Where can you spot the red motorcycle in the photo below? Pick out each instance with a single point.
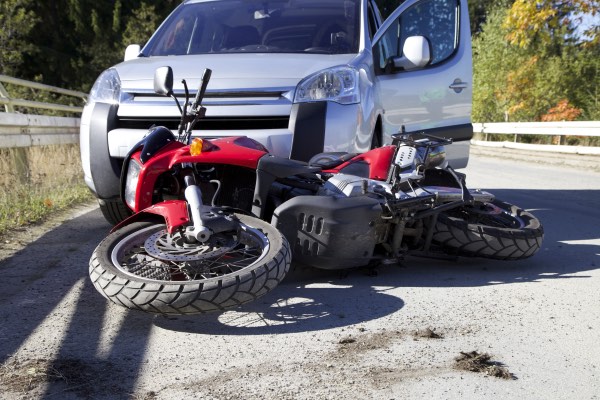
(217, 222)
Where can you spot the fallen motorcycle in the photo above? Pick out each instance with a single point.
(217, 222)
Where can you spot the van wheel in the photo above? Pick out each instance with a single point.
(113, 210)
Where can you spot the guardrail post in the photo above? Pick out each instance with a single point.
(21, 163)
(4, 94)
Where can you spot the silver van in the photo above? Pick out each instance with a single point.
(299, 76)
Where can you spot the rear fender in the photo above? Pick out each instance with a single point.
(174, 212)
(374, 164)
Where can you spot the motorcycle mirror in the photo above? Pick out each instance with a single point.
(163, 81)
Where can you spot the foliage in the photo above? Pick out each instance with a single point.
(72, 41)
(528, 59)
(543, 22)
(16, 20)
(563, 111)
(527, 55)
(139, 30)
(479, 10)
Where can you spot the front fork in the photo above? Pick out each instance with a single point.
(193, 195)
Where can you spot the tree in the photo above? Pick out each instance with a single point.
(562, 112)
(479, 10)
(139, 28)
(72, 41)
(17, 20)
(546, 22)
(528, 59)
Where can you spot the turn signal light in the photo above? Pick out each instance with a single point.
(196, 147)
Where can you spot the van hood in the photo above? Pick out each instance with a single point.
(229, 71)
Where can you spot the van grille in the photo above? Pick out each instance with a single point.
(218, 124)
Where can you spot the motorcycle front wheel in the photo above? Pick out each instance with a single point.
(141, 266)
(496, 230)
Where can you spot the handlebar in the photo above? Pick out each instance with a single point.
(409, 139)
(203, 84)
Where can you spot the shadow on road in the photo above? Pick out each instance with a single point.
(55, 324)
(46, 285)
(570, 220)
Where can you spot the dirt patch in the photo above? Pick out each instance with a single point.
(427, 333)
(27, 376)
(482, 363)
(362, 343)
(31, 377)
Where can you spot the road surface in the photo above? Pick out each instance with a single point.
(320, 334)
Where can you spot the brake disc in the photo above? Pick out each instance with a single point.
(165, 246)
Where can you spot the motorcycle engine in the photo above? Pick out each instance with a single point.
(344, 185)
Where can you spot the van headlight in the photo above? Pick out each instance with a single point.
(131, 182)
(107, 88)
(338, 84)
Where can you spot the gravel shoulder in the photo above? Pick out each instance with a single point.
(323, 335)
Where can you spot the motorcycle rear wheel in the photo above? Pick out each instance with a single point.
(141, 266)
(496, 230)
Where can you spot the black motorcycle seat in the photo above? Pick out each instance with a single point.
(330, 160)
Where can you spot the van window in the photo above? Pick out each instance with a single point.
(259, 26)
(372, 21)
(437, 20)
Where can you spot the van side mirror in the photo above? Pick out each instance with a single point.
(132, 51)
(163, 81)
(416, 53)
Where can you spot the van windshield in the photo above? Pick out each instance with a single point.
(259, 26)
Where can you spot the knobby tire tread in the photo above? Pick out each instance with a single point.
(171, 297)
(459, 237)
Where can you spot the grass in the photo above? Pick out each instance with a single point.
(38, 181)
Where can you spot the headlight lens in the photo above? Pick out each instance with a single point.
(107, 88)
(131, 182)
(338, 84)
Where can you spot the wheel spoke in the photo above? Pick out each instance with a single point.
(171, 257)
(489, 215)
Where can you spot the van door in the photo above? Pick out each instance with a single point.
(431, 95)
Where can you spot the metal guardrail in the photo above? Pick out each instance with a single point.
(10, 103)
(22, 130)
(25, 130)
(565, 128)
(560, 129)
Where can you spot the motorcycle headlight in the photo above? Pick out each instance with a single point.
(107, 88)
(131, 182)
(338, 84)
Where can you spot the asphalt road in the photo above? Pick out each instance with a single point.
(324, 335)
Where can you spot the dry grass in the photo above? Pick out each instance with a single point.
(37, 181)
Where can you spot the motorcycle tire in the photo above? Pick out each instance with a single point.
(495, 230)
(143, 267)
